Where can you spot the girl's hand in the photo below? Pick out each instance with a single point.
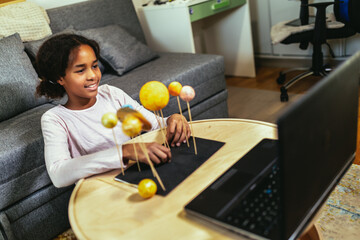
(176, 133)
(157, 153)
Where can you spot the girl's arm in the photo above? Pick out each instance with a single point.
(65, 170)
(62, 168)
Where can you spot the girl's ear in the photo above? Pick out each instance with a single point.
(61, 81)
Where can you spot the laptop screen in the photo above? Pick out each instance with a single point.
(313, 160)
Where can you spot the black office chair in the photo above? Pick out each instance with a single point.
(346, 11)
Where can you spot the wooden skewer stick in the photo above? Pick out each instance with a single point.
(136, 156)
(163, 122)
(162, 118)
(118, 150)
(143, 148)
(161, 130)
(192, 130)
(142, 145)
(182, 118)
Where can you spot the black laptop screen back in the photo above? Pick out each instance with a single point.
(313, 159)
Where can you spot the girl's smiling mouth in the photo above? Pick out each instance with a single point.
(92, 86)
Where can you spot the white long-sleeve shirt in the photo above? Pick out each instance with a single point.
(77, 145)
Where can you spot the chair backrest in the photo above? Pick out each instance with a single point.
(347, 11)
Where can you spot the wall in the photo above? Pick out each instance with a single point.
(47, 4)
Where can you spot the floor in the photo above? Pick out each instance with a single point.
(266, 80)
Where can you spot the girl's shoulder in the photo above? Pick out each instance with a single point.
(54, 110)
(110, 92)
(53, 114)
(108, 89)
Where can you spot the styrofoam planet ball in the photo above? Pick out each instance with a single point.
(109, 120)
(175, 88)
(131, 126)
(154, 95)
(124, 112)
(187, 93)
(147, 188)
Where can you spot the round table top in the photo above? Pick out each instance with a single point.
(102, 208)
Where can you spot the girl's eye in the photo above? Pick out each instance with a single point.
(80, 71)
(95, 66)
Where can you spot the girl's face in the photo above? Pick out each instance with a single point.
(82, 78)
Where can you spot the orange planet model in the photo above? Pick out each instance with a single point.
(132, 126)
(147, 188)
(109, 120)
(154, 95)
(175, 88)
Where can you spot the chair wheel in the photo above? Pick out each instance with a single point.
(284, 97)
(281, 78)
(327, 68)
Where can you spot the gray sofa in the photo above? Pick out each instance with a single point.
(30, 206)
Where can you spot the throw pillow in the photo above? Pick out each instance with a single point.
(18, 79)
(118, 48)
(33, 47)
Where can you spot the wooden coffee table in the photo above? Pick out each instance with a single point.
(102, 208)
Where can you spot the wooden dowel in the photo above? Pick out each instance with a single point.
(156, 175)
(136, 156)
(164, 130)
(143, 148)
(161, 129)
(118, 150)
(163, 121)
(183, 121)
(192, 130)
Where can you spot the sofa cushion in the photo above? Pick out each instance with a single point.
(33, 47)
(22, 161)
(204, 72)
(42, 215)
(94, 14)
(121, 51)
(18, 79)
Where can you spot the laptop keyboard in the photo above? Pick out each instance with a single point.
(258, 211)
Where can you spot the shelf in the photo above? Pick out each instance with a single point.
(209, 8)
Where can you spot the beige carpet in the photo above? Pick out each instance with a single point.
(340, 217)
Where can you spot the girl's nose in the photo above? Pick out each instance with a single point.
(91, 74)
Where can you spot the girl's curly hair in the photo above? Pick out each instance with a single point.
(52, 60)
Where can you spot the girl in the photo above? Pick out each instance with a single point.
(77, 145)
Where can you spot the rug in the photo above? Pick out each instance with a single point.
(340, 217)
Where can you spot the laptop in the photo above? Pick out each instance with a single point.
(282, 184)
